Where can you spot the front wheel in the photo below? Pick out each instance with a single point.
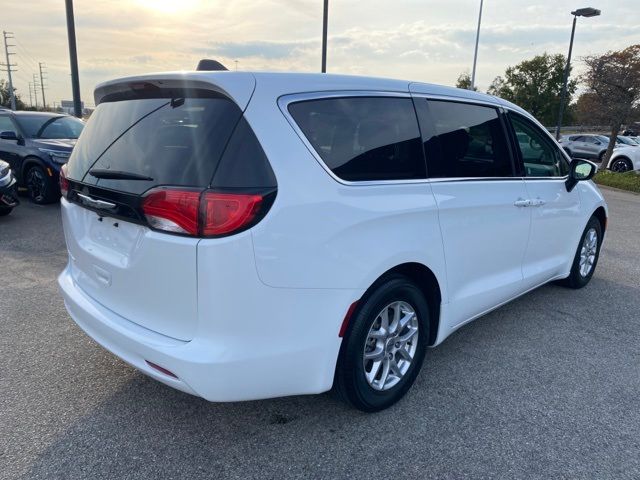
(42, 189)
(384, 347)
(586, 258)
(621, 165)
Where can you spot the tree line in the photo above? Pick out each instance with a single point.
(610, 93)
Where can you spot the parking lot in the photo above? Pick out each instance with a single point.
(547, 386)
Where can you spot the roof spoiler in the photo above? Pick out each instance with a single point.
(207, 65)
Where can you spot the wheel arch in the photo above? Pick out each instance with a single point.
(427, 282)
(601, 215)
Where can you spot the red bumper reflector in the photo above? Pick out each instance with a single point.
(161, 369)
(347, 317)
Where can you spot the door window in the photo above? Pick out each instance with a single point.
(364, 138)
(6, 125)
(471, 141)
(541, 156)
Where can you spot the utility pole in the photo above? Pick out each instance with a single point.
(35, 89)
(30, 97)
(475, 54)
(73, 59)
(8, 65)
(44, 103)
(325, 21)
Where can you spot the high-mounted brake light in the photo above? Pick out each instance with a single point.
(64, 182)
(196, 213)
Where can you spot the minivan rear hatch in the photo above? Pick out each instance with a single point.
(143, 136)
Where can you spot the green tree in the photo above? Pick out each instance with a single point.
(464, 81)
(535, 85)
(613, 80)
(588, 110)
(496, 87)
(5, 96)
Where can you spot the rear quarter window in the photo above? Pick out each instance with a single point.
(364, 138)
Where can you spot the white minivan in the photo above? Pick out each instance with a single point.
(242, 235)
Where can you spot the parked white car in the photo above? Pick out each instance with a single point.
(624, 159)
(243, 235)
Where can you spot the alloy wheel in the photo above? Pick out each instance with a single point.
(37, 184)
(588, 252)
(391, 345)
(620, 166)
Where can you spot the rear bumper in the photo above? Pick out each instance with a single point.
(225, 366)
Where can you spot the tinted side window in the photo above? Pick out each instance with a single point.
(472, 141)
(589, 140)
(364, 138)
(6, 125)
(540, 154)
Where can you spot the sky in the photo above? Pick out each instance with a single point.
(420, 40)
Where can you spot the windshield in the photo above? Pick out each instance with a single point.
(626, 141)
(46, 127)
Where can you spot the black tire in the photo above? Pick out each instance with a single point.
(350, 380)
(621, 165)
(5, 211)
(41, 187)
(576, 279)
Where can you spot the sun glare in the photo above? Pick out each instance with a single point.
(169, 6)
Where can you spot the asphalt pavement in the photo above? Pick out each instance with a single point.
(547, 386)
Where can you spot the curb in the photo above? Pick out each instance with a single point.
(607, 187)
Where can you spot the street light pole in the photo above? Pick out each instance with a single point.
(325, 20)
(581, 12)
(475, 54)
(563, 93)
(73, 59)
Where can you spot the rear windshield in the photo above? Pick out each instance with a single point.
(161, 141)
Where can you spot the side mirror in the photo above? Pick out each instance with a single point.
(8, 135)
(580, 171)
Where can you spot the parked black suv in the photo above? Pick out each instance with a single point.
(36, 145)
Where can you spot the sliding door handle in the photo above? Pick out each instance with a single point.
(522, 203)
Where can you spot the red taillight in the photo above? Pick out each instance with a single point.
(64, 183)
(172, 210)
(197, 213)
(224, 213)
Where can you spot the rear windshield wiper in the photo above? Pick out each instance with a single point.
(117, 175)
